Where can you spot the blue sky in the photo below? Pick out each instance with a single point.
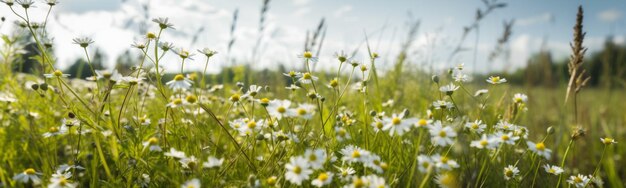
(113, 25)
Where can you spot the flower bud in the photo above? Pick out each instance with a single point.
(435, 79)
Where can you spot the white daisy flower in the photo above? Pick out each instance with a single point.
(443, 162)
(308, 55)
(346, 173)
(540, 149)
(397, 124)
(608, 141)
(448, 89)
(507, 138)
(440, 104)
(496, 80)
(179, 83)
(175, 154)
(213, 162)
(354, 154)
(520, 98)
(54, 131)
(152, 144)
(278, 108)
(189, 162)
(376, 181)
(510, 172)
(377, 125)
(306, 78)
(56, 74)
(477, 126)
(316, 158)
(341, 134)
(423, 123)
(579, 180)
(556, 170)
(440, 135)
(297, 170)
(484, 143)
(61, 182)
(304, 111)
(424, 163)
(193, 183)
(322, 179)
(27, 176)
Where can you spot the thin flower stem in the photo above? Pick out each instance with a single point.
(563, 161)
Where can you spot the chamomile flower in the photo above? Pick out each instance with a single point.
(292, 87)
(189, 162)
(163, 23)
(175, 103)
(56, 74)
(175, 153)
(443, 162)
(108, 75)
(324, 178)
(54, 131)
(608, 141)
(250, 127)
(440, 135)
(304, 111)
(307, 55)
(29, 175)
(447, 180)
(506, 126)
(353, 154)
(448, 89)
(424, 163)
(253, 91)
(423, 123)
(477, 126)
(83, 42)
(278, 108)
(377, 125)
(579, 180)
(61, 182)
(520, 98)
(346, 172)
(506, 138)
(484, 143)
(342, 134)
(179, 83)
(376, 181)
(213, 162)
(193, 183)
(510, 172)
(316, 158)
(556, 170)
(540, 149)
(397, 124)
(152, 144)
(207, 52)
(306, 78)
(496, 80)
(143, 120)
(440, 104)
(297, 170)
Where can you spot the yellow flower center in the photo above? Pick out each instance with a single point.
(177, 101)
(322, 177)
(150, 35)
(58, 73)
(54, 129)
(307, 76)
(312, 157)
(281, 109)
(483, 143)
(271, 180)
(358, 183)
(495, 79)
(265, 100)
(307, 55)
(540, 146)
(607, 140)
(505, 137)
(475, 126)
(153, 140)
(292, 74)
(29, 171)
(142, 119)
(396, 121)
(234, 98)
(578, 179)
(444, 159)
(422, 122)
(297, 170)
(301, 111)
(356, 154)
(342, 132)
(508, 173)
(191, 98)
(63, 181)
(379, 125)
(251, 124)
(442, 133)
(551, 170)
(179, 77)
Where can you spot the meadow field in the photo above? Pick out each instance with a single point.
(353, 126)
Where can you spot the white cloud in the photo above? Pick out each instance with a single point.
(342, 11)
(301, 2)
(610, 15)
(537, 19)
